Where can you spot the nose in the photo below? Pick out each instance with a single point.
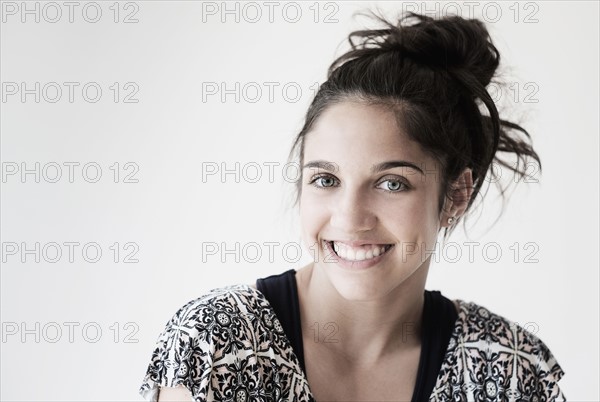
(351, 212)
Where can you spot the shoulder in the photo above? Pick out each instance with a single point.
(211, 340)
(496, 357)
(221, 306)
(226, 319)
(482, 326)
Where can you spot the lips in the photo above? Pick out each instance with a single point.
(361, 252)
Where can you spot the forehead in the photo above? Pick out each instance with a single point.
(362, 134)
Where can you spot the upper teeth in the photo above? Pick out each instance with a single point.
(358, 253)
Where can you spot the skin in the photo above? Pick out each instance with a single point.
(375, 311)
(373, 314)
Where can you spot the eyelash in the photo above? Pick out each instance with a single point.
(388, 178)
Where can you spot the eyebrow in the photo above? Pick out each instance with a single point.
(380, 167)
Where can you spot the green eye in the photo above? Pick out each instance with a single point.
(326, 181)
(390, 185)
(323, 181)
(394, 185)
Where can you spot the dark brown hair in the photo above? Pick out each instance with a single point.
(433, 73)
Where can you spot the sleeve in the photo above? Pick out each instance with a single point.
(181, 355)
(226, 345)
(498, 360)
(537, 370)
(549, 374)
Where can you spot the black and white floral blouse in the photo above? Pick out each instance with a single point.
(228, 345)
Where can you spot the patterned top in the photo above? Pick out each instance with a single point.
(228, 345)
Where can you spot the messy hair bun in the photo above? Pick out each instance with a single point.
(433, 73)
(452, 43)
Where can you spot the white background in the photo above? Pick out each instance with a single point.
(171, 55)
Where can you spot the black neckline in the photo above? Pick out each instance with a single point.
(281, 291)
(439, 313)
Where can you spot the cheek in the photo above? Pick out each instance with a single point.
(313, 216)
(410, 222)
(414, 221)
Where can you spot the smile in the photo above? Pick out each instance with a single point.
(360, 253)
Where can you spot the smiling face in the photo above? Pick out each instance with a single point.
(373, 192)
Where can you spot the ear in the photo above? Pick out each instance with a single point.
(460, 194)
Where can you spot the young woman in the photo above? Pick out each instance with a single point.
(395, 149)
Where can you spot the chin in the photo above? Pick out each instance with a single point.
(361, 286)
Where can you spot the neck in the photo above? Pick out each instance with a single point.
(361, 331)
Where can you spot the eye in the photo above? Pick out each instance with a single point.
(390, 184)
(394, 185)
(323, 181)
